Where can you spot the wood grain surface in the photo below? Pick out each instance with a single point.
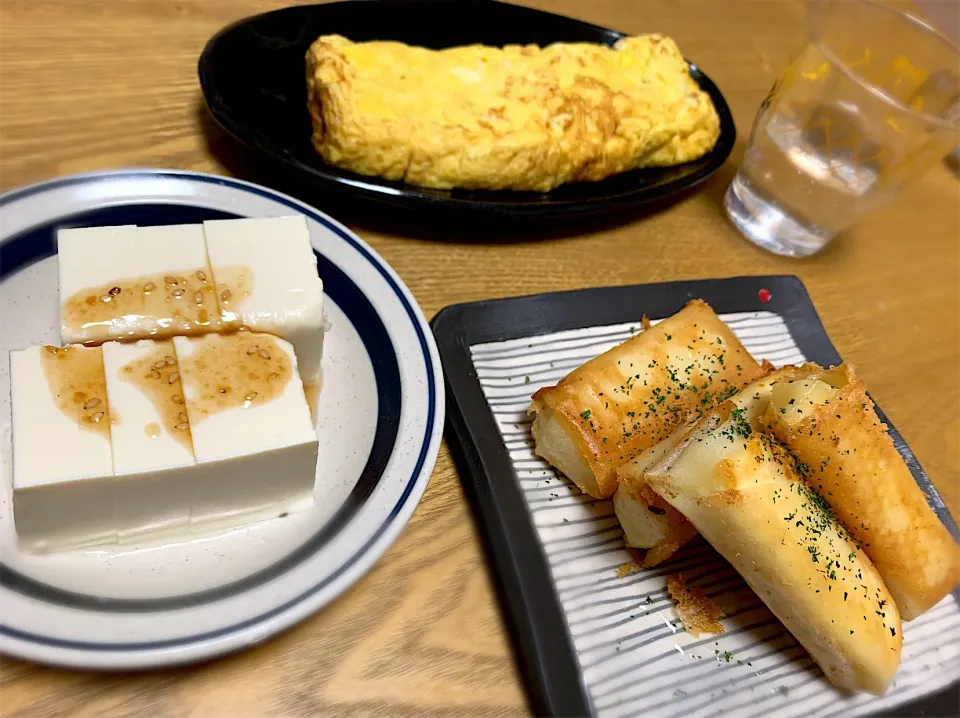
(90, 85)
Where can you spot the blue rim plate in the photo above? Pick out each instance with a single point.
(380, 422)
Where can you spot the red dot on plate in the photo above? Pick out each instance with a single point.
(764, 295)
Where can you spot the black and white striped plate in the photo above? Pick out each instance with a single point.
(593, 643)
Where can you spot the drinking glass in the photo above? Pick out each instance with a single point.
(869, 104)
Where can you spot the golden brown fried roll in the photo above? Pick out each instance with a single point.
(649, 523)
(827, 420)
(633, 396)
(739, 488)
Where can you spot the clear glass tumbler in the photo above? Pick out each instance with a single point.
(869, 104)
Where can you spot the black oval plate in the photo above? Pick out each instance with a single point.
(253, 79)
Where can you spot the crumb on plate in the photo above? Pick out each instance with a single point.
(696, 610)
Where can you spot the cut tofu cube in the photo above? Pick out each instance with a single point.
(253, 436)
(266, 274)
(179, 296)
(152, 450)
(93, 261)
(128, 283)
(62, 464)
(134, 283)
(133, 442)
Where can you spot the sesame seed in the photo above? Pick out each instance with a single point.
(263, 354)
(176, 399)
(170, 361)
(154, 373)
(173, 377)
(182, 416)
(225, 295)
(251, 396)
(149, 287)
(183, 426)
(114, 291)
(179, 292)
(201, 275)
(105, 298)
(97, 417)
(272, 376)
(253, 350)
(92, 403)
(160, 364)
(198, 297)
(170, 280)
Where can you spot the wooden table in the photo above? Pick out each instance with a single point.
(88, 85)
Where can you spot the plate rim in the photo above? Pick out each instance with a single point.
(359, 562)
(414, 198)
(519, 565)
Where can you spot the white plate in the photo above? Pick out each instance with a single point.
(380, 421)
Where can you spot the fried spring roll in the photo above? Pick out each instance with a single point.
(649, 523)
(636, 394)
(827, 420)
(739, 488)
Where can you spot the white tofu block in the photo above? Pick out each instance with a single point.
(94, 256)
(171, 249)
(104, 439)
(135, 283)
(92, 261)
(188, 304)
(283, 293)
(152, 452)
(253, 437)
(62, 464)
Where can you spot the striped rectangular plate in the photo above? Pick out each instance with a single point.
(590, 641)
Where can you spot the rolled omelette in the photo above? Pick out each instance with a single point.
(827, 421)
(629, 398)
(740, 489)
(510, 118)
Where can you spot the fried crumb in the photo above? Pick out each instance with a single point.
(660, 553)
(637, 564)
(645, 323)
(697, 612)
(644, 559)
(629, 567)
